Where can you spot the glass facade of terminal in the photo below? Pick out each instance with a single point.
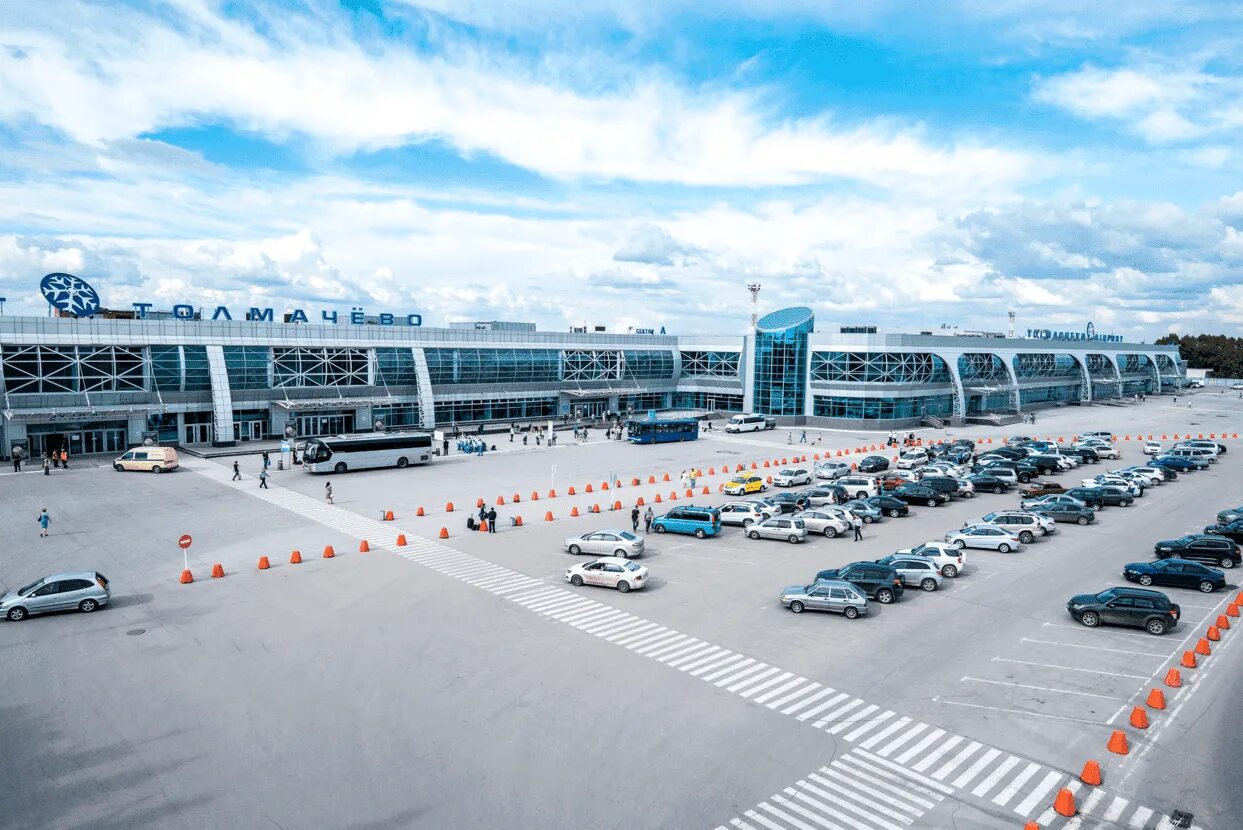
(883, 409)
(781, 361)
(878, 367)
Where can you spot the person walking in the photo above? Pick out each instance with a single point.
(263, 479)
(648, 518)
(237, 473)
(803, 438)
(492, 520)
(634, 518)
(44, 520)
(47, 466)
(55, 454)
(857, 524)
(789, 437)
(444, 449)
(266, 461)
(328, 492)
(64, 458)
(17, 459)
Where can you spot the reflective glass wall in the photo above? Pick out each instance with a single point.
(781, 361)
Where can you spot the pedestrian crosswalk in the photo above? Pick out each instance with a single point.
(897, 751)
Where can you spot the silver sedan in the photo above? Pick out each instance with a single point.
(621, 543)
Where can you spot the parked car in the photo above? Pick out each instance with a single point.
(866, 512)
(1009, 478)
(147, 460)
(1102, 450)
(831, 469)
(788, 502)
(874, 464)
(1070, 513)
(1200, 459)
(1116, 495)
(889, 505)
(1049, 464)
(948, 559)
(914, 457)
(859, 486)
(1153, 448)
(834, 595)
(1165, 473)
(1092, 497)
(916, 571)
(83, 590)
(786, 528)
(894, 479)
(920, 494)
(1229, 515)
(1041, 502)
(1023, 471)
(1040, 488)
(1135, 488)
(966, 487)
(825, 494)
(1179, 465)
(988, 537)
(942, 484)
(1018, 439)
(1135, 607)
(1176, 573)
(1104, 435)
(823, 522)
(699, 521)
(741, 485)
(608, 572)
(879, 582)
(1086, 455)
(791, 477)
(1149, 476)
(986, 481)
(743, 513)
(1232, 531)
(621, 543)
(1200, 547)
(1026, 526)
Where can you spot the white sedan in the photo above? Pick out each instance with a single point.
(610, 572)
(824, 522)
(789, 478)
(988, 537)
(949, 560)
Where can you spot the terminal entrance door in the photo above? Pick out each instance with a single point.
(589, 409)
(326, 423)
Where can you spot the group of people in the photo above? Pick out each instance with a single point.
(54, 458)
(648, 518)
(473, 446)
(486, 514)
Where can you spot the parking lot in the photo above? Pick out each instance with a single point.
(462, 682)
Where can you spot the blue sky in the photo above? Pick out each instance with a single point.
(633, 164)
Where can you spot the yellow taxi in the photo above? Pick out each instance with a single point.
(740, 485)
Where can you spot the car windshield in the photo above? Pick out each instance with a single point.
(30, 587)
(628, 536)
(1106, 596)
(1185, 539)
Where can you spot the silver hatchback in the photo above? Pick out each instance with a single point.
(786, 528)
(84, 591)
(826, 595)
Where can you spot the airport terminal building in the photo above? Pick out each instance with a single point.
(98, 385)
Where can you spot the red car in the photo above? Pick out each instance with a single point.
(1041, 488)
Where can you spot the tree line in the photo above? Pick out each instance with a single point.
(1217, 352)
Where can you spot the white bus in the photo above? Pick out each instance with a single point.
(341, 453)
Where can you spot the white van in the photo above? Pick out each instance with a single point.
(1198, 453)
(746, 423)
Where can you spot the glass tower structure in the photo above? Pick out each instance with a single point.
(781, 361)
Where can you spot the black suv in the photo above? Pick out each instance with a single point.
(1087, 455)
(1022, 470)
(880, 582)
(1046, 464)
(1200, 547)
(1094, 497)
(1135, 607)
(942, 484)
(788, 502)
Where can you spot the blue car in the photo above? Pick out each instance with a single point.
(695, 521)
(1178, 465)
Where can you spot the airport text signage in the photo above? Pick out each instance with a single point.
(1089, 334)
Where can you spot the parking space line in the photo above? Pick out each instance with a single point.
(1068, 668)
(974, 770)
(1097, 648)
(938, 699)
(953, 763)
(1121, 634)
(1011, 789)
(1039, 688)
(1037, 795)
(927, 741)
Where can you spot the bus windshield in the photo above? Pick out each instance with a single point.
(316, 451)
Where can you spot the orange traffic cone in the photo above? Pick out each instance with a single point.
(444, 533)
(535, 495)
(651, 479)
(588, 489)
(217, 571)
(363, 547)
(449, 507)
(1091, 774)
(295, 558)
(483, 526)
(1173, 678)
(673, 495)
(666, 477)
(1064, 804)
(500, 500)
(617, 505)
(401, 540)
(1139, 717)
(1031, 825)
(186, 577)
(1117, 743)
(1223, 622)
(571, 492)
(1156, 699)
(595, 508)
(263, 563)
(1202, 647)
(552, 494)
(1232, 610)
(1214, 633)
(634, 482)
(329, 553)
(1188, 661)
(548, 515)
(706, 491)
(639, 502)
(479, 502)
(516, 499)
(574, 511)
(690, 493)
(517, 521)
(604, 485)
(388, 515)
(657, 499)
(420, 512)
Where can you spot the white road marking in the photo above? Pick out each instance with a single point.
(1015, 711)
(1068, 668)
(1038, 793)
(1097, 648)
(1038, 688)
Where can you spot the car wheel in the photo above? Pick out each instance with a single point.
(402, 463)
(1003, 548)
(793, 540)
(118, 468)
(575, 550)
(851, 612)
(660, 528)
(576, 581)
(621, 554)
(86, 606)
(1026, 537)
(932, 502)
(623, 587)
(796, 607)
(1090, 619)
(862, 494)
(1126, 502)
(339, 468)
(157, 469)
(929, 584)
(1155, 627)
(893, 513)
(16, 614)
(754, 534)
(1206, 587)
(884, 596)
(699, 533)
(867, 520)
(1082, 520)
(748, 522)
(959, 543)
(1226, 562)
(997, 490)
(1145, 579)
(949, 571)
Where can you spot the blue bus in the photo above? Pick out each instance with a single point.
(662, 432)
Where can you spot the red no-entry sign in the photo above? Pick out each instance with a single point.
(184, 541)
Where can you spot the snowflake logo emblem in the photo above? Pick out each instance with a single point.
(70, 294)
